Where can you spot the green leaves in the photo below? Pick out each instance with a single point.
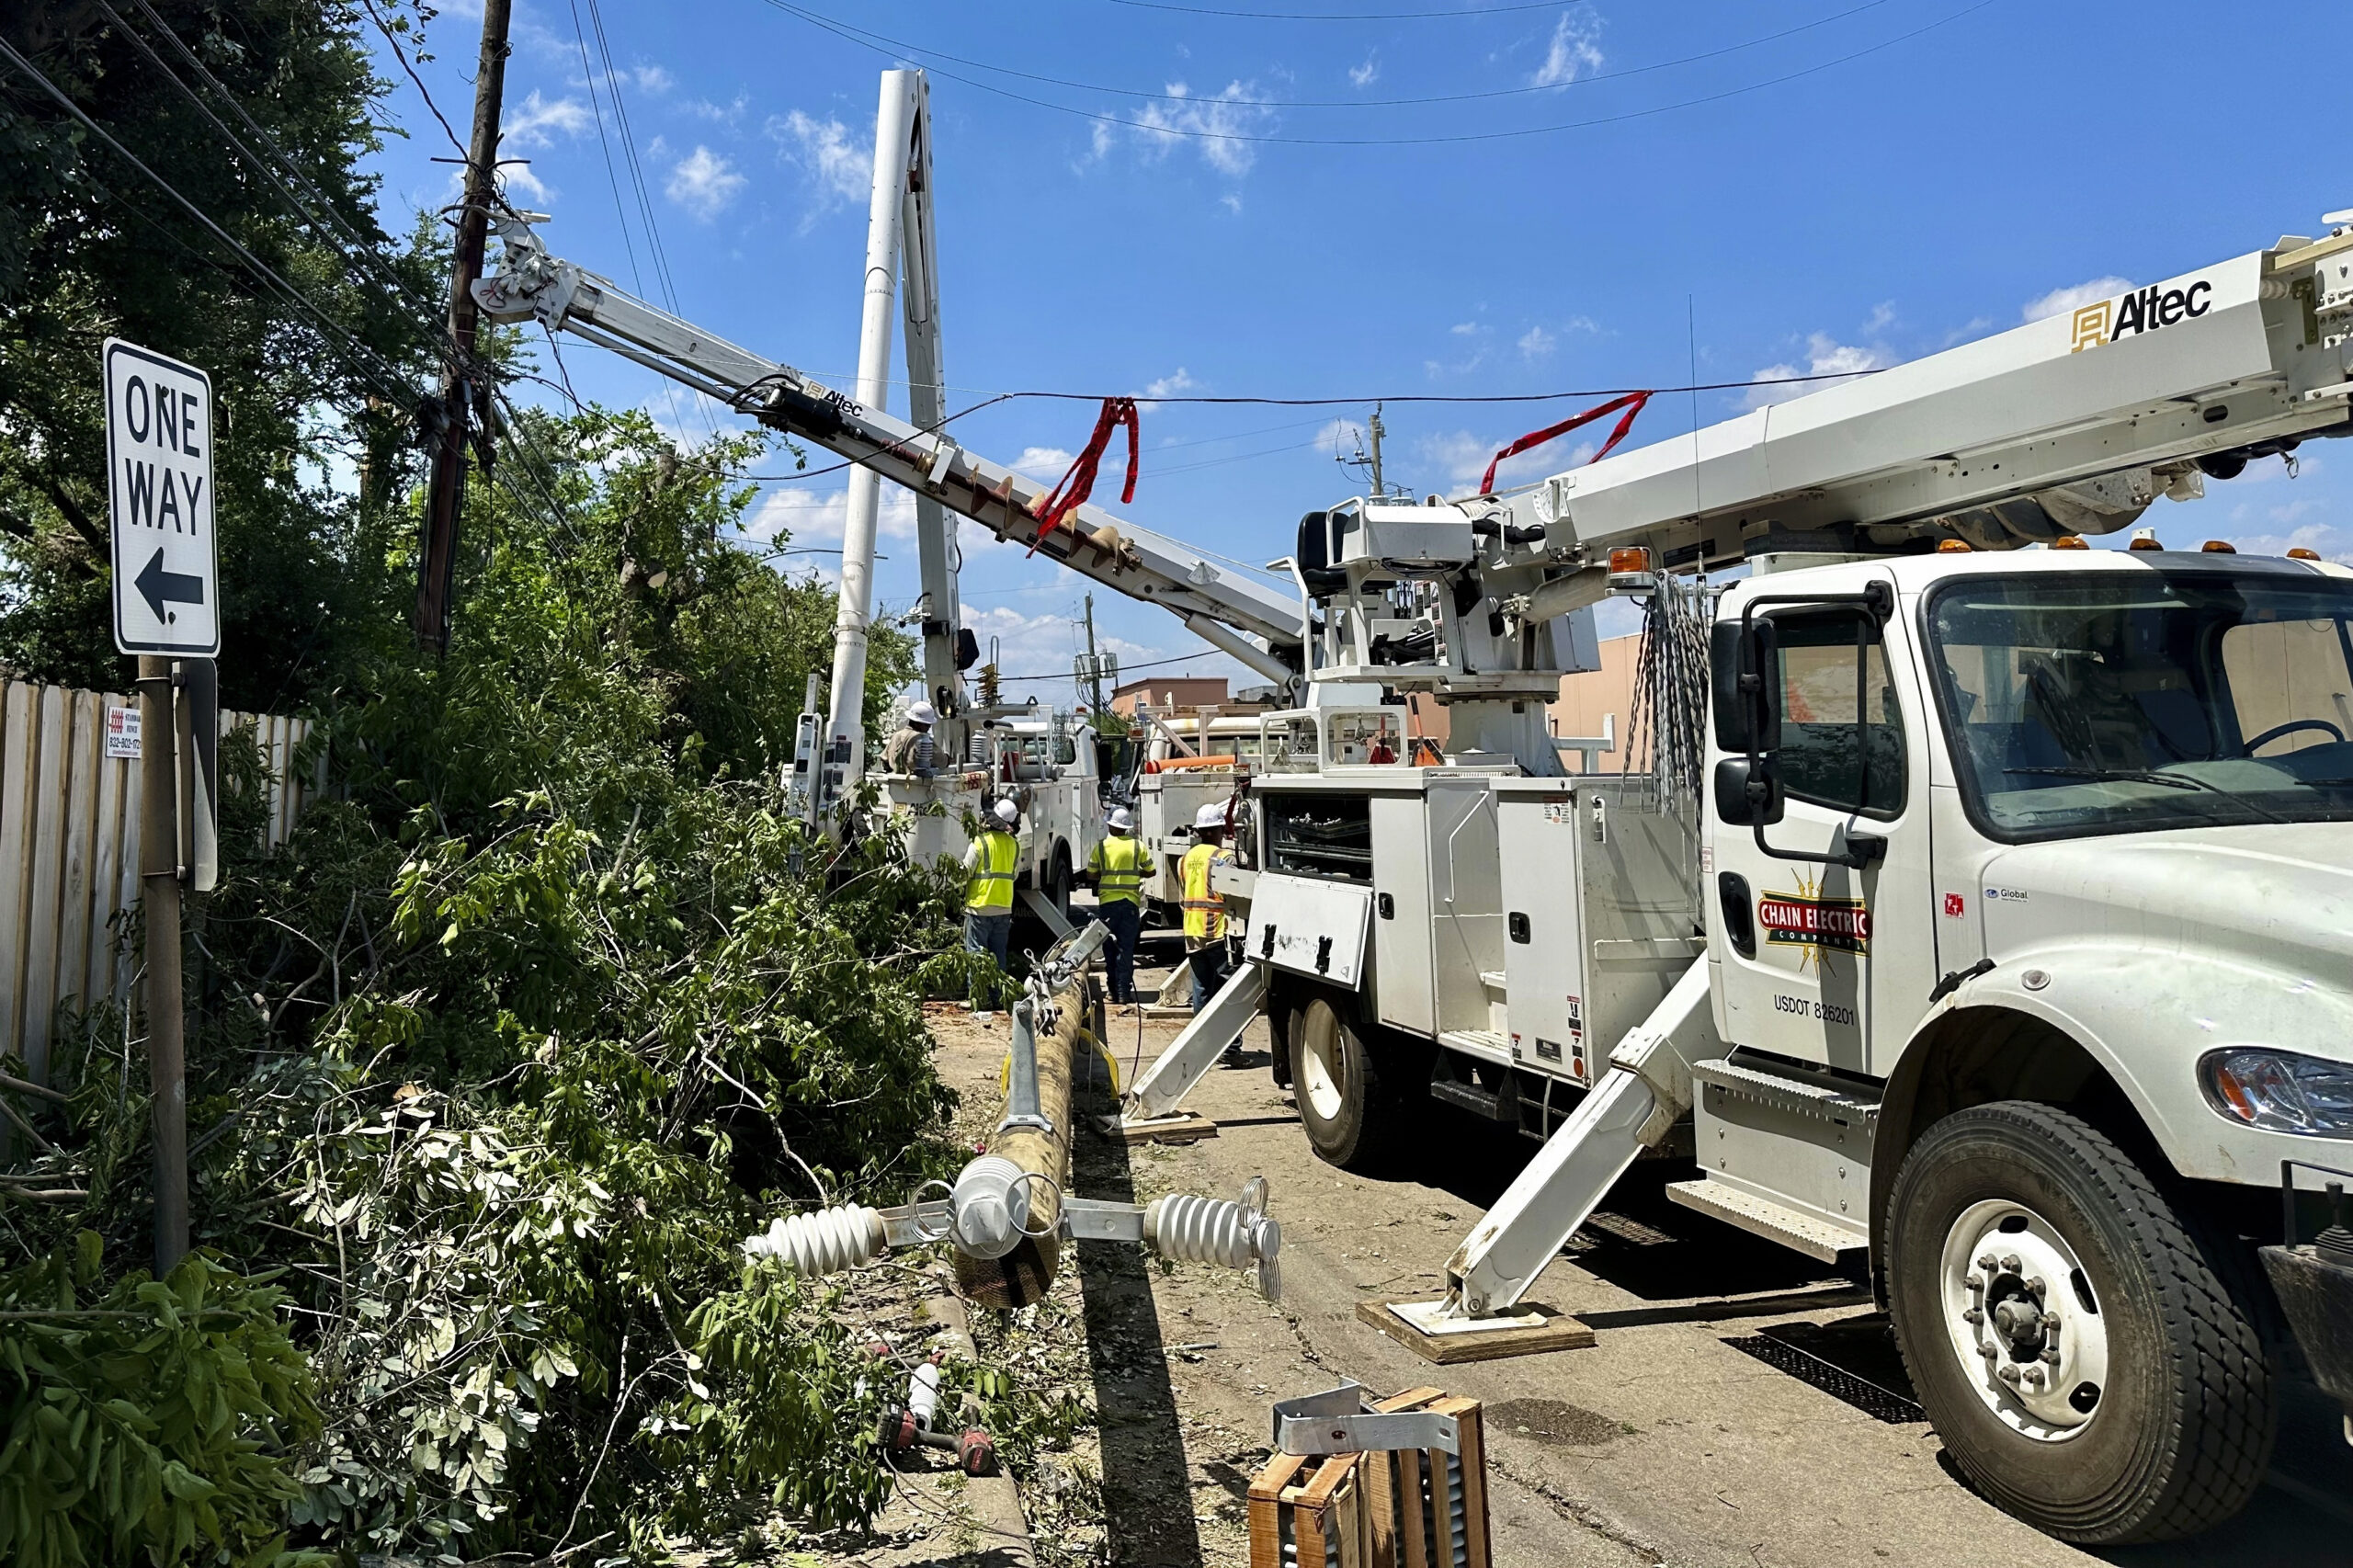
(150, 1424)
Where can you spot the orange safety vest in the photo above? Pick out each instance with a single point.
(1204, 911)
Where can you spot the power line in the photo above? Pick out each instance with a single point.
(388, 377)
(621, 213)
(1156, 664)
(1358, 103)
(276, 169)
(393, 43)
(896, 50)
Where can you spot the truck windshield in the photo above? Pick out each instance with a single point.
(2126, 701)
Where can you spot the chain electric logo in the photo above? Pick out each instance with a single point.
(1821, 925)
(2143, 310)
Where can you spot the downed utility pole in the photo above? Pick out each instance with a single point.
(463, 396)
(1006, 1216)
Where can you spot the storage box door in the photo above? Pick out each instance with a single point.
(1543, 949)
(1401, 915)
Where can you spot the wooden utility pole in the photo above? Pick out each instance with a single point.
(461, 392)
(1094, 664)
(159, 888)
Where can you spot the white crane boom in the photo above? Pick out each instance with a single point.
(1216, 601)
(2066, 426)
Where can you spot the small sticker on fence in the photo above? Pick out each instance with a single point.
(122, 732)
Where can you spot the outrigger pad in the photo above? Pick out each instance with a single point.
(1423, 1327)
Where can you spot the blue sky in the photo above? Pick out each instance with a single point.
(1828, 186)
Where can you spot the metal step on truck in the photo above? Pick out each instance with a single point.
(1981, 915)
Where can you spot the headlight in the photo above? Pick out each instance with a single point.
(2280, 1091)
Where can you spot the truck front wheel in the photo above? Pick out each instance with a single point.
(1351, 1116)
(2079, 1357)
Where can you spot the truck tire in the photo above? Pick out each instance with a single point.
(1059, 885)
(1352, 1118)
(2078, 1354)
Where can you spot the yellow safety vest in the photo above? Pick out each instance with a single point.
(990, 888)
(1117, 865)
(1204, 911)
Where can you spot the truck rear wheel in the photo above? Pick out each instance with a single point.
(1350, 1115)
(2079, 1357)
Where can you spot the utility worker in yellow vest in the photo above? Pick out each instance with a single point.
(988, 894)
(1117, 870)
(1207, 953)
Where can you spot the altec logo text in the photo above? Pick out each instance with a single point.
(1841, 924)
(2144, 310)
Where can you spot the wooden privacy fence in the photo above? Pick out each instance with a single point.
(69, 850)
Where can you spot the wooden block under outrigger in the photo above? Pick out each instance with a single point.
(1422, 1328)
(1178, 1127)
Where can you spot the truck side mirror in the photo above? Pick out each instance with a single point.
(1746, 798)
(1744, 661)
(968, 648)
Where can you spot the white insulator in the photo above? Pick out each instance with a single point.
(824, 1242)
(1199, 1229)
(923, 1395)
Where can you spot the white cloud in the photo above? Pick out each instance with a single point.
(1231, 202)
(1464, 329)
(529, 126)
(704, 183)
(1045, 464)
(1883, 315)
(2059, 302)
(841, 171)
(1366, 75)
(1166, 386)
(655, 79)
(1536, 343)
(1825, 355)
(728, 113)
(1463, 456)
(1210, 123)
(517, 179)
(1575, 52)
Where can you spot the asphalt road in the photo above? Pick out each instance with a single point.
(1742, 1405)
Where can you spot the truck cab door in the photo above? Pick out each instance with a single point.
(1815, 959)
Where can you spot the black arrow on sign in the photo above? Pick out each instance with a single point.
(160, 587)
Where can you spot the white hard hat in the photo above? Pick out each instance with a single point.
(922, 714)
(1121, 819)
(1210, 816)
(1007, 812)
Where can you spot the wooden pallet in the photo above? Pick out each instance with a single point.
(1396, 1509)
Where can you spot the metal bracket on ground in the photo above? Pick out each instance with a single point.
(1337, 1421)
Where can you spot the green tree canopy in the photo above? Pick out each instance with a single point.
(259, 113)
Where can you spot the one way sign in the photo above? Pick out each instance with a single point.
(159, 479)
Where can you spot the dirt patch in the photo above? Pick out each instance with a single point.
(1553, 1423)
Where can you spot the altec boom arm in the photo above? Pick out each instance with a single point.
(2066, 426)
(1215, 601)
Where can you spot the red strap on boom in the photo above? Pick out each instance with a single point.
(1631, 403)
(1079, 483)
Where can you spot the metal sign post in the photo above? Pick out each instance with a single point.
(166, 607)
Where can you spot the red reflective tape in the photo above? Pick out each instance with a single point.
(1631, 403)
(1078, 484)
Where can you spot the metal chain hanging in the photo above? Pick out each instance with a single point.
(1671, 686)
